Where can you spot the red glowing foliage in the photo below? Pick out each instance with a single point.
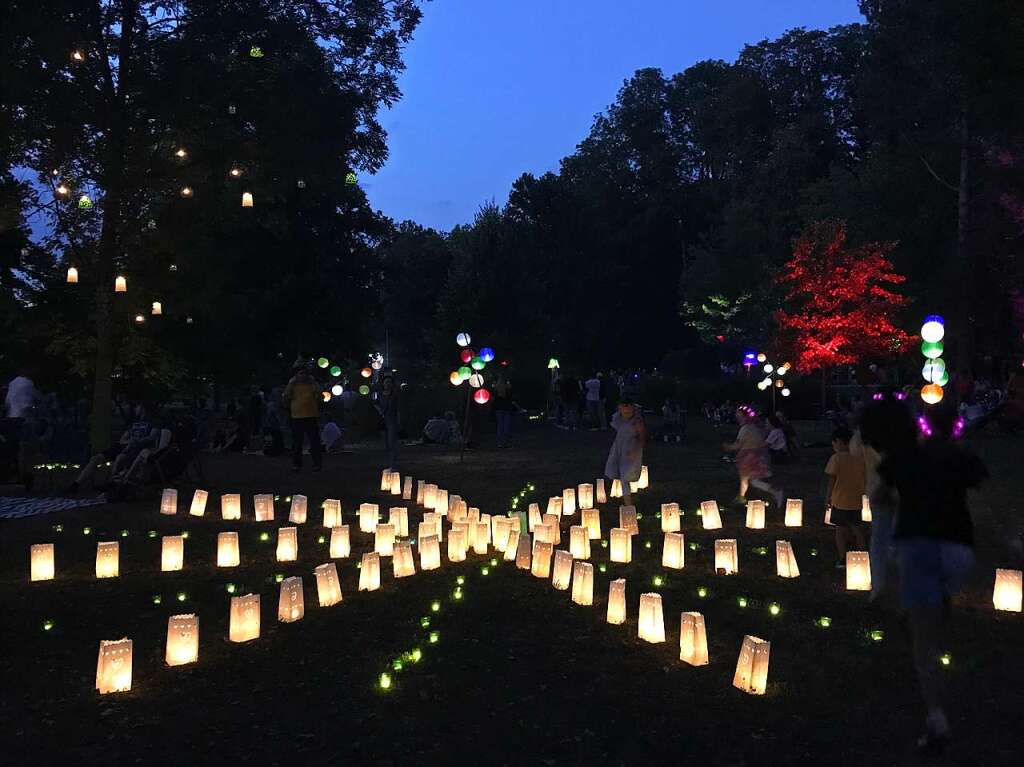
(841, 300)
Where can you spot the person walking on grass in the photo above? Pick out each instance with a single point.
(627, 453)
(387, 407)
(933, 533)
(844, 493)
(504, 409)
(752, 461)
(302, 398)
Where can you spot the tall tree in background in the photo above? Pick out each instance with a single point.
(101, 95)
(842, 303)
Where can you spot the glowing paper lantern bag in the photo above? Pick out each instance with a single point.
(290, 605)
(244, 623)
(617, 601)
(264, 505)
(794, 512)
(41, 562)
(328, 588)
(693, 639)
(231, 506)
(541, 566)
(369, 572)
(108, 555)
(562, 570)
(1006, 595)
(583, 583)
(297, 514)
(651, 627)
(726, 556)
(673, 553)
(182, 640)
(199, 503)
(752, 666)
(670, 518)
(172, 553)
(710, 517)
(858, 571)
(785, 560)
(114, 666)
(169, 501)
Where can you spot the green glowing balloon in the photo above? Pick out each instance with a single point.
(322, 362)
(256, 52)
(477, 364)
(932, 349)
(465, 372)
(335, 371)
(364, 390)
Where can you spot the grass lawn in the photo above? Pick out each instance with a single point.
(518, 674)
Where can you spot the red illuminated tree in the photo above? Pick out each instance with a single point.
(841, 300)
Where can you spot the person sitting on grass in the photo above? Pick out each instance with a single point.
(140, 434)
(846, 482)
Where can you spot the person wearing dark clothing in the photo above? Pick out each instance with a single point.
(934, 539)
(504, 410)
(387, 408)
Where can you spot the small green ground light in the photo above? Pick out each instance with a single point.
(604, 544)
(182, 596)
(416, 655)
(264, 536)
(876, 635)
(694, 546)
(435, 607)
(278, 577)
(86, 531)
(47, 625)
(58, 528)
(647, 544)
(814, 552)
(434, 637)
(397, 665)
(231, 588)
(494, 563)
(824, 622)
(945, 659)
(184, 534)
(485, 571)
(384, 681)
(152, 533)
(460, 580)
(157, 599)
(124, 533)
(702, 592)
(774, 608)
(658, 581)
(741, 601)
(603, 568)
(321, 539)
(457, 594)
(425, 622)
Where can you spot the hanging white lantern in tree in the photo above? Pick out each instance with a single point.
(710, 517)
(328, 587)
(72, 277)
(651, 626)
(671, 519)
(290, 604)
(752, 666)
(369, 572)
(340, 545)
(120, 284)
(583, 583)
(673, 553)
(617, 601)
(785, 560)
(562, 571)
(693, 639)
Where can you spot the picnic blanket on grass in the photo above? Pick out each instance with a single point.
(17, 508)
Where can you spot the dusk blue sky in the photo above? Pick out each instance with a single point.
(496, 88)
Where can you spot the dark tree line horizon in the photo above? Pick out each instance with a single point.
(657, 242)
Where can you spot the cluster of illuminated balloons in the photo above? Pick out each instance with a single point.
(749, 359)
(934, 371)
(473, 363)
(376, 362)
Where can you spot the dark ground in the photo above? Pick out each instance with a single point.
(519, 675)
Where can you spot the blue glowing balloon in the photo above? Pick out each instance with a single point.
(487, 354)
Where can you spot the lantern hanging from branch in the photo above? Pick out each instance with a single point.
(617, 601)
(369, 517)
(710, 517)
(172, 553)
(671, 520)
(627, 519)
(569, 501)
(591, 519)
(290, 603)
(673, 551)
(369, 572)
(652, 620)
(752, 666)
(72, 277)
(332, 513)
(541, 566)
(287, 544)
(585, 496)
(562, 570)
(524, 553)
(579, 542)
(120, 284)
(1006, 595)
(398, 518)
(755, 515)
(726, 556)
(114, 666)
(246, 199)
(108, 555)
(169, 501)
(785, 560)
(430, 553)
(583, 583)
(297, 514)
(41, 566)
(231, 506)
(865, 509)
(264, 505)
(182, 640)
(340, 544)
(858, 571)
(693, 639)
(198, 507)
(227, 550)
(794, 512)
(402, 560)
(384, 540)
(602, 496)
(328, 587)
(621, 545)
(616, 488)
(457, 543)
